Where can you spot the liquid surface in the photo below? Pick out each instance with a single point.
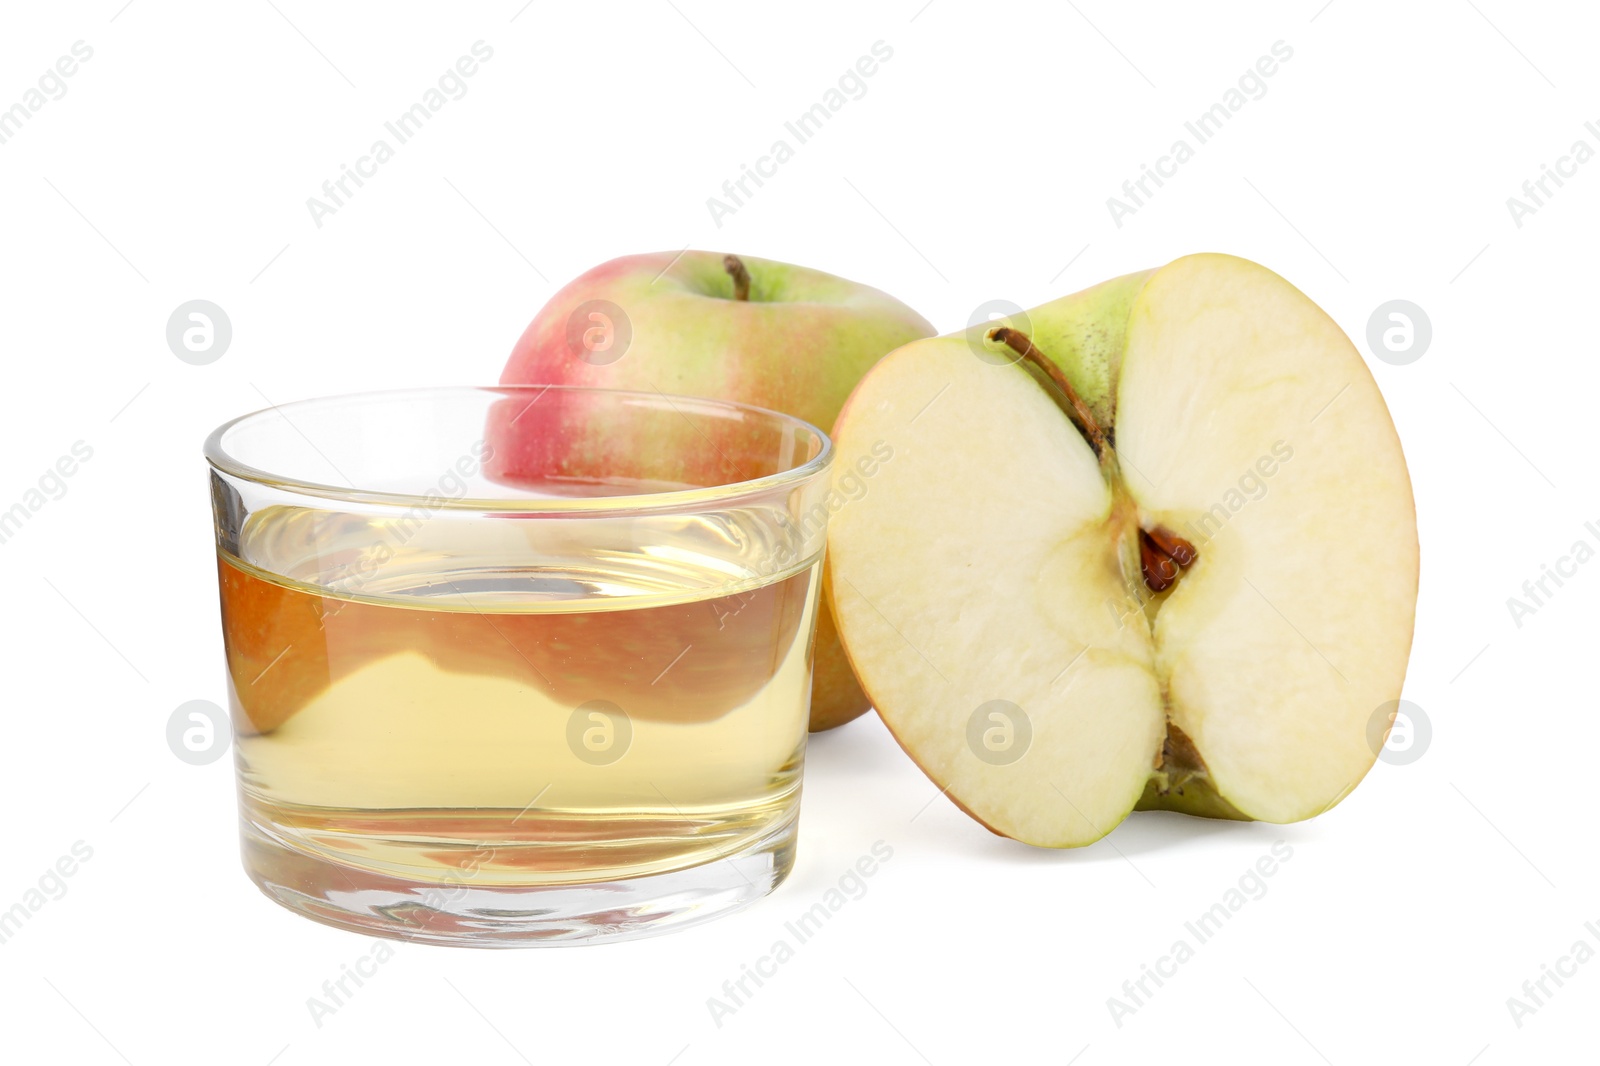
(421, 700)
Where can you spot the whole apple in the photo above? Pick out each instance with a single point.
(727, 327)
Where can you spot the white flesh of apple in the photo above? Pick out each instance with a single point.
(990, 559)
(1296, 625)
(980, 564)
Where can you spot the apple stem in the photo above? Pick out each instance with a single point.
(740, 275)
(1020, 343)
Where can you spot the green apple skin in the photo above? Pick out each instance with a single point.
(798, 344)
(1083, 334)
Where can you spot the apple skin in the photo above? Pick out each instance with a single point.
(798, 345)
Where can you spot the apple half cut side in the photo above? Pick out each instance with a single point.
(1149, 546)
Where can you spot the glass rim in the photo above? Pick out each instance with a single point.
(221, 460)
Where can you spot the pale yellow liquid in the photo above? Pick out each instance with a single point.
(416, 718)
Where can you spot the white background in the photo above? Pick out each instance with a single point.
(976, 167)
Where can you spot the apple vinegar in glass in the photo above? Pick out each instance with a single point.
(507, 726)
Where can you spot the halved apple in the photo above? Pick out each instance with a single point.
(1152, 545)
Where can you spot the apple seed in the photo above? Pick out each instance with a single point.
(1159, 568)
(1182, 552)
